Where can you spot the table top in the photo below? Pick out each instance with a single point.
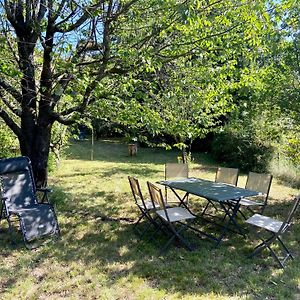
(209, 189)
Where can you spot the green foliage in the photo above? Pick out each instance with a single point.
(291, 148)
(248, 140)
(245, 152)
(8, 142)
(59, 143)
(188, 58)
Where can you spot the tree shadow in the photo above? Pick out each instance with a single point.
(112, 151)
(101, 236)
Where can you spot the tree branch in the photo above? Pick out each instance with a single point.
(10, 123)
(79, 108)
(11, 90)
(61, 119)
(16, 111)
(86, 15)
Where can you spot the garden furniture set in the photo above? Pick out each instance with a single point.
(172, 213)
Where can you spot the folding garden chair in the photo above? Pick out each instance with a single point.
(173, 171)
(171, 216)
(227, 175)
(276, 229)
(19, 199)
(145, 206)
(259, 183)
(224, 175)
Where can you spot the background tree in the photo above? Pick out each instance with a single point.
(187, 85)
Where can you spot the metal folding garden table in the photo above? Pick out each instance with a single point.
(227, 196)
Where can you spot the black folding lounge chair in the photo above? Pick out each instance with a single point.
(18, 198)
(275, 229)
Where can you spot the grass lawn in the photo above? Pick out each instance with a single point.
(100, 257)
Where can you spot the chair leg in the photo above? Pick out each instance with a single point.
(138, 221)
(275, 256)
(260, 247)
(285, 248)
(176, 234)
(10, 229)
(149, 218)
(267, 244)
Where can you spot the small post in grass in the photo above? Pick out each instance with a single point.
(92, 150)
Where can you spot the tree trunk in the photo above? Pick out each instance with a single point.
(184, 155)
(37, 149)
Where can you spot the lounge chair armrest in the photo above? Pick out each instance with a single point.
(45, 192)
(3, 199)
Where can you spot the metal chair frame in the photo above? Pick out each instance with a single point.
(24, 208)
(275, 234)
(163, 212)
(253, 183)
(146, 207)
(172, 171)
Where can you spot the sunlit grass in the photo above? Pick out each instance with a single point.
(100, 257)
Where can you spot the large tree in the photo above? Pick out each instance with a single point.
(62, 56)
(47, 46)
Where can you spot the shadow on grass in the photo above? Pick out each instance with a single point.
(112, 151)
(97, 231)
(101, 236)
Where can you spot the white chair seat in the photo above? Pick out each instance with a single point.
(265, 222)
(248, 202)
(175, 214)
(148, 204)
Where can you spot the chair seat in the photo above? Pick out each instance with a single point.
(248, 202)
(37, 221)
(265, 222)
(175, 214)
(148, 204)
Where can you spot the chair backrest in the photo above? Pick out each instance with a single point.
(17, 183)
(293, 209)
(259, 183)
(290, 214)
(227, 175)
(136, 190)
(157, 197)
(176, 170)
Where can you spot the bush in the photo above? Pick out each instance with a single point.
(8, 142)
(243, 151)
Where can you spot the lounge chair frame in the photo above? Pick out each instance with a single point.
(19, 199)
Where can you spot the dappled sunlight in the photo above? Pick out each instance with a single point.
(100, 253)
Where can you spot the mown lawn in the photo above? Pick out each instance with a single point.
(100, 257)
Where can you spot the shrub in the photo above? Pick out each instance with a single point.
(8, 142)
(242, 150)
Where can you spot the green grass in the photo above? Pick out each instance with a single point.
(100, 257)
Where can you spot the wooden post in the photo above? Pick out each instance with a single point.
(92, 150)
(132, 149)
